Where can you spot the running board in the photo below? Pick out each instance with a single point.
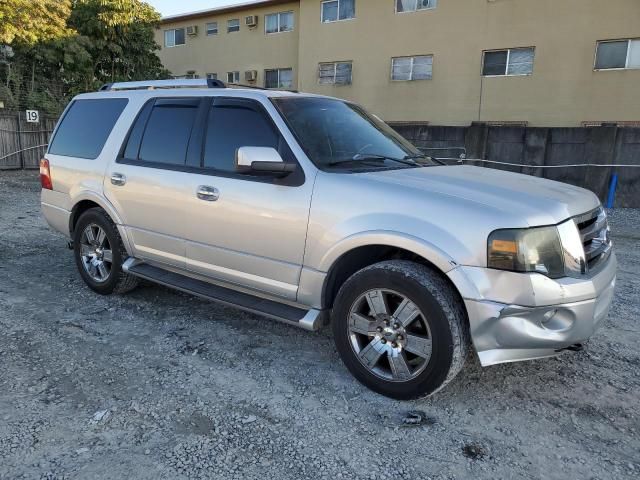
(307, 319)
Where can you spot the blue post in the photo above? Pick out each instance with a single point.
(612, 190)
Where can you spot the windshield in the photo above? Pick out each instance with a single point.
(340, 135)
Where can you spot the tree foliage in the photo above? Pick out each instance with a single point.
(105, 41)
(32, 21)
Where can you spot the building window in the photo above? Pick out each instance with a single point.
(212, 76)
(278, 22)
(617, 54)
(413, 5)
(233, 25)
(334, 10)
(233, 77)
(511, 62)
(335, 73)
(278, 78)
(412, 68)
(212, 28)
(174, 37)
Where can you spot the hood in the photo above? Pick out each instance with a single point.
(535, 200)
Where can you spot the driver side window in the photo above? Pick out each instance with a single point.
(232, 124)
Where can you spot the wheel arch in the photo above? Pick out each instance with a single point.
(89, 200)
(361, 254)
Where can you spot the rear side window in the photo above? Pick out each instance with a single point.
(86, 126)
(231, 125)
(168, 129)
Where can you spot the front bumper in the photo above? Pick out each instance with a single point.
(515, 316)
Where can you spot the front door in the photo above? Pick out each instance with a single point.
(250, 230)
(148, 184)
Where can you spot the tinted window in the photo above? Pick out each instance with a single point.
(86, 127)
(233, 125)
(135, 135)
(335, 131)
(168, 130)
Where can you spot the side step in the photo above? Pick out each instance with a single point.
(307, 319)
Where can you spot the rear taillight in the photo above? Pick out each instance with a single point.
(45, 175)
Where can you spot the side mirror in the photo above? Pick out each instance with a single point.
(262, 160)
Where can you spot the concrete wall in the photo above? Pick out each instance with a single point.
(545, 146)
(248, 49)
(564, 89)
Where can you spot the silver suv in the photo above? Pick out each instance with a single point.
(307, 209)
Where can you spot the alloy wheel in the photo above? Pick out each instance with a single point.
(96, 253)
(389, 335)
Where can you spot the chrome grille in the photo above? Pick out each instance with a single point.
(594, 233)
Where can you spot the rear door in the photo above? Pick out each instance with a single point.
(148, 184)
(253, 233)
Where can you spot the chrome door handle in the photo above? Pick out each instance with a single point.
(208, 194)
(118, 179)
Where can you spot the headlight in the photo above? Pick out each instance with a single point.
(527, 250)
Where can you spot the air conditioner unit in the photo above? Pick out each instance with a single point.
(192, 31)
(250, 75)
(251, 21)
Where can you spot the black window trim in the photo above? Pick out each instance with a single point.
(295, 179)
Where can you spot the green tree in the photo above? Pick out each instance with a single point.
(122, 38)
(32, 21)
(112, 40)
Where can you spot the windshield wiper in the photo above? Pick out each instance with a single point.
(362, 158)
(422, 155)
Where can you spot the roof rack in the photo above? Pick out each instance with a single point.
(242, 85)
(163, 84)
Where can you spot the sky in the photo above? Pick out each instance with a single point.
(173, 7)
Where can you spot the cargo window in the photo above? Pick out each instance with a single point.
(233, 124)
(168, 129)
(86, 126)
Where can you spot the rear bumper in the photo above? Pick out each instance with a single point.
(56, 217)
(509, 332)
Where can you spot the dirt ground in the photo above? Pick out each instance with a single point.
(158, 384)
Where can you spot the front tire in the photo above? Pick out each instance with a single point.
(99, 254)
(400, 328)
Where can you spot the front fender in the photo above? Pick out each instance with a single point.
(419, 246)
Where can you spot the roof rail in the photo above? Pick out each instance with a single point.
(163, 84)
(242, 85)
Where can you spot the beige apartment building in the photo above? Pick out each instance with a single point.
(442, 62)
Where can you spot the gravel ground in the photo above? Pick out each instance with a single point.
(158, 384)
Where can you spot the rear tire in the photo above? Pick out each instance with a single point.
(99, 254)
(401, 329)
